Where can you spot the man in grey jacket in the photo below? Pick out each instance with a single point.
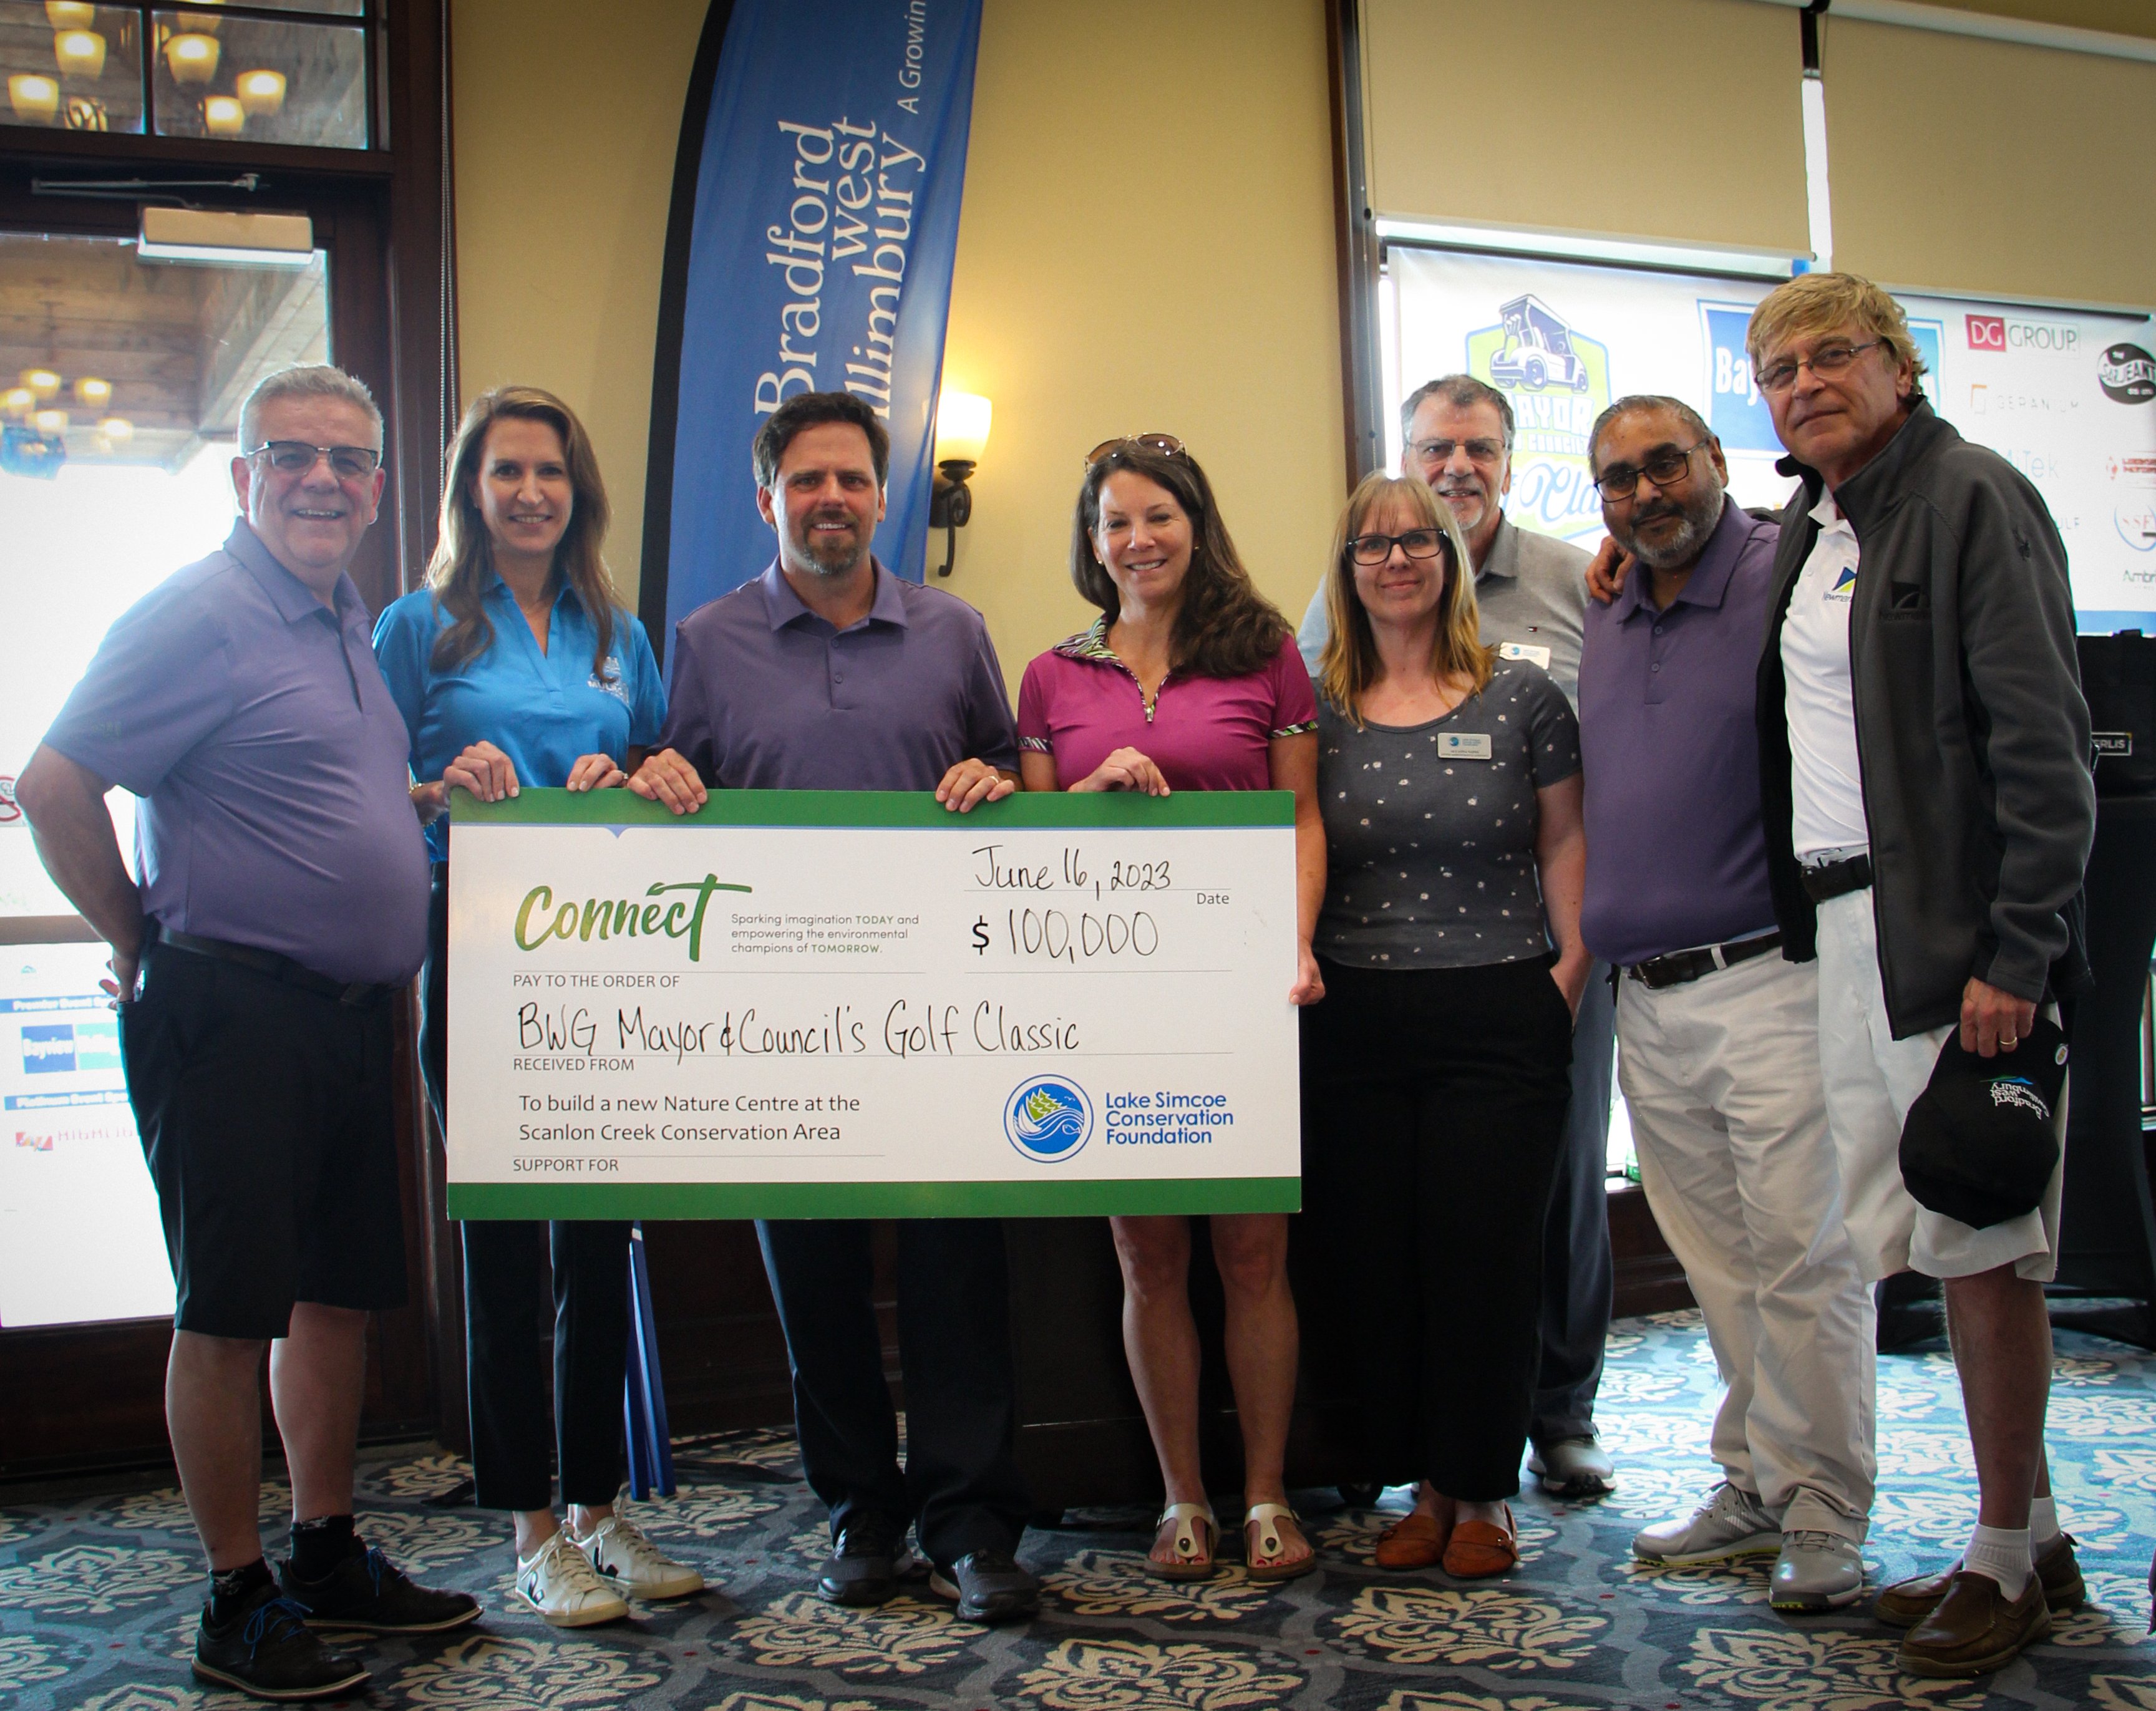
(1924, 772)
(1532, 597)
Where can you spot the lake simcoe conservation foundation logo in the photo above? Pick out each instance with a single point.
(1048, 1118)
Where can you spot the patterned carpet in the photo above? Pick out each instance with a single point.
(98, 1598)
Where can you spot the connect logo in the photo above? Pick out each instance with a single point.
(1048, 1118)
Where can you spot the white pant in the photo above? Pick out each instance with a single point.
(1871, 1080)
(1721, 1076)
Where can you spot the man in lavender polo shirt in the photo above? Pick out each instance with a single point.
(1719, 1033)
(828, 673)
(283, 899)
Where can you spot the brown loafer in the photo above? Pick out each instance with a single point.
(1478, 1550)
(1975, 1629)
(1905, 1603)
(1412, 1542)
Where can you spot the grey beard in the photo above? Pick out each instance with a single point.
(805, 559)
(1681, 548)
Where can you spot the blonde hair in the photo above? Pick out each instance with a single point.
(1348, 666)
(1813, 303)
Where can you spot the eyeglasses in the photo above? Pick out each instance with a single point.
(1827, 361)
(1166, 444)
(1416, 543)
(296, 456)
(1665, 469)
(1441, 451)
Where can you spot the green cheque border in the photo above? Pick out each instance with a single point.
(886, 810)
(656, 1201)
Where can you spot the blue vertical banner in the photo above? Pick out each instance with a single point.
(814, 224)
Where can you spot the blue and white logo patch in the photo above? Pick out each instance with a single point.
(1049, 1118)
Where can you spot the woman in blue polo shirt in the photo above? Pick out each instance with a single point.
(516, 665)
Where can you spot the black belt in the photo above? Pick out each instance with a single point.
(357, 995)
(1680, 966)
(1822, 884)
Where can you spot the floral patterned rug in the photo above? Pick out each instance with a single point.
(98, 1598)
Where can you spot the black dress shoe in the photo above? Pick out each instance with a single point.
(266, 1652)
(989, 1586)
(368, 1594)
(863, 1565)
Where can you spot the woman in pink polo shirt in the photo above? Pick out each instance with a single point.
(1188, 680)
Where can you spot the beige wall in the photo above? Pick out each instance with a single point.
(566, 126)
(1146, 244)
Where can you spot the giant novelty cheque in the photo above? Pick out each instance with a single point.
(810, 1004)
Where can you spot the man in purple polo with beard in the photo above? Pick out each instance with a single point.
(828, 673)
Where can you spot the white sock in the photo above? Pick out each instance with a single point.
(2043, 1523)
(2003, 1554)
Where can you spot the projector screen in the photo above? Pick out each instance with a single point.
(2068, 396)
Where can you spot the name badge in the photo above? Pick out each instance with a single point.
(1520, 650)
(1465, 745)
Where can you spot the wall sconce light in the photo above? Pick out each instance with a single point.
(261, 92)
(95, 393)
(71, 15)
(80, 53)
(192, 57)
(961, 435)
(224, 116)
(41, 380)
(50, 421)
(34, 97)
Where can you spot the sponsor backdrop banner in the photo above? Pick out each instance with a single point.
(821, 235)
(2068, 396)
(814, 1004)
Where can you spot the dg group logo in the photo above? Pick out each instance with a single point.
(1048, 1118)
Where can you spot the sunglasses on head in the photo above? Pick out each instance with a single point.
(1166, 444)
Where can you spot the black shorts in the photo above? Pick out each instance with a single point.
(269, 1121)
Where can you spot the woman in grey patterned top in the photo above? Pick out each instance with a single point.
(1435, 1073)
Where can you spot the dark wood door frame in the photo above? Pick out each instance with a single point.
(90, 1397)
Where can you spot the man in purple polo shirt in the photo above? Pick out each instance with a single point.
(282, 900)
(828, 673)
(1719, 1033)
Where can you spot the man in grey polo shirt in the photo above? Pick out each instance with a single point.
(828, 673)
(1532, 595)
(282, 900)
(1721, 1065)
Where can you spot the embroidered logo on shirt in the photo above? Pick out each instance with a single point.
(612, 683)
(2022, 1095)
(1845, 585)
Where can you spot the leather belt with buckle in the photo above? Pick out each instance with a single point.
(1680, 966)
(355, 995)
(1833, 879)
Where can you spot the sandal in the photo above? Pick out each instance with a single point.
(1478, 1550)
(1193, 1556)
(1266, 1517)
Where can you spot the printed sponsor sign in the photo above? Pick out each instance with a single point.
(810, 1004)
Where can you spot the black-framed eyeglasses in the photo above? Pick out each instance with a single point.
(1416, 543)
(296, 456)
(1166, 444)
(1665, 469)
(1827, 361)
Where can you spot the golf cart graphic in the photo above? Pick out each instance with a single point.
(1537, 349)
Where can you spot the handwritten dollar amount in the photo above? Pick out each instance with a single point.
(1057, 935)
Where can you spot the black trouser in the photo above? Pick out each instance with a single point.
(505, 1332)
(961, 1487)
(1578, 1274)
(1433, 1107)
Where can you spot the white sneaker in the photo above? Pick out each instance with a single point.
(629, 1562)
(1731, 1523)
(559, 1584)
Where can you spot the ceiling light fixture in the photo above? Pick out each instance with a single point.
(41, 380)
(94, 392)
(223, 115)
(261, 92)
(68, 15)
(34, 97)
(192, 57)
(80, 53)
